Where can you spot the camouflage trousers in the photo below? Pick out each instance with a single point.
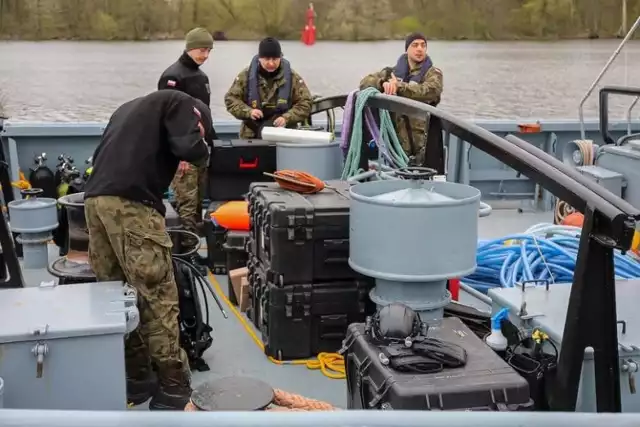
(128, 241)
(417, 150)
(188, 188)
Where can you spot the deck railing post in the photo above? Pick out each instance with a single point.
(591, 321)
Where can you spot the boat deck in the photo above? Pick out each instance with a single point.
(235, 351)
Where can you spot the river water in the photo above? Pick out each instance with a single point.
(85, 81)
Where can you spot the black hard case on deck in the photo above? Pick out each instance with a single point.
(300, 321)
(486, 383)
(235, 248)
(215, 237)
(301, 238)
(237, 163)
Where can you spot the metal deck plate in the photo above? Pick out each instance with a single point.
(233, 394)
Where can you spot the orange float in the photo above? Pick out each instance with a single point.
(233, 215)
(575, 219)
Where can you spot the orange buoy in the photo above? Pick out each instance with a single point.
(233, 215)
(575, 219)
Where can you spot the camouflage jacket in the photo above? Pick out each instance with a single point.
(235, 99)
(428, 91)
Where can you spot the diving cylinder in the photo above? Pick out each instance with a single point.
(43, 177)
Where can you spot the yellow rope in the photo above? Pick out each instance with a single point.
(330, 364)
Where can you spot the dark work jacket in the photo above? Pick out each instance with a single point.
(186, 76)
(142, 145)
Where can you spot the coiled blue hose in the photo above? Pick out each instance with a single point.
(545, 252)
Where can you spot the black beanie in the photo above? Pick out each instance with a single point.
(269, 48)
(413, 37)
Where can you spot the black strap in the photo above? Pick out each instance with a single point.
(429, 355)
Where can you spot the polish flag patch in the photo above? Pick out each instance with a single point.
(171, 83)
(198, 113)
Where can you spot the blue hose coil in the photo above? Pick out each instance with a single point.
(534, 258)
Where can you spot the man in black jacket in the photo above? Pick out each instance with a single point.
(185, 75)
(138, 155)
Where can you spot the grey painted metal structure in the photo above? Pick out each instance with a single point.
(465, 163)
(412, 235)
(546, 308)
(18, 418)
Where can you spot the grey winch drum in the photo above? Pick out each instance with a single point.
(34, 218)
(320, 159)
(411, 235)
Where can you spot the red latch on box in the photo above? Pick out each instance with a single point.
(248, 165)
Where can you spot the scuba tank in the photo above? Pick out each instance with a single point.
(43, 177)
(68, 177)
(88, 170)
(68, 180)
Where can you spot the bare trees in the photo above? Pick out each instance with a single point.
(336, 19)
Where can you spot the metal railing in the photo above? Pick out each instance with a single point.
(604, 70)
(34, 418)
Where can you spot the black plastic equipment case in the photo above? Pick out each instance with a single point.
(237, 163)
(215, 237)
(300, 321)
(301, 238)
(486, 383)
(235, 249)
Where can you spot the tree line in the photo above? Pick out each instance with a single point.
(350, 20)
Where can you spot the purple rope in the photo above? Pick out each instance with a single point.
(346, 122)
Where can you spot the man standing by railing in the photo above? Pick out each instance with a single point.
(415, 77)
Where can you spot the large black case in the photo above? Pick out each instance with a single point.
(237, 163)
(301, 238)
(486, 383)
(235, 248)
(300, 321)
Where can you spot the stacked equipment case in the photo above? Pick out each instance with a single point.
(304, 294)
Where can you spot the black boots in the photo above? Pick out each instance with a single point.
(139, 391)
(162, 398)
(170, 398)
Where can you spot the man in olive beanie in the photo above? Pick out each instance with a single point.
(185, 75)
(199, 38)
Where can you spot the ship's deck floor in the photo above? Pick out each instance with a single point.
(235, 353)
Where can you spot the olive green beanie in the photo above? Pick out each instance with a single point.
(198, 38)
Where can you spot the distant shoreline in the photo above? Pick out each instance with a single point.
(256, 39)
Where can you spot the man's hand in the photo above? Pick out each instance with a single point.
(279, 122)
(256, 114)
(390, 87)
(183, 167)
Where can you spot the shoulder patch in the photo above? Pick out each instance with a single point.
(197, 112)
(171, 83)
(437, 70)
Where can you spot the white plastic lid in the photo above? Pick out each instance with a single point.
(413, 195)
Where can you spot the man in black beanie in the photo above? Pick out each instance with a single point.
(268, 93)
(414, 76)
